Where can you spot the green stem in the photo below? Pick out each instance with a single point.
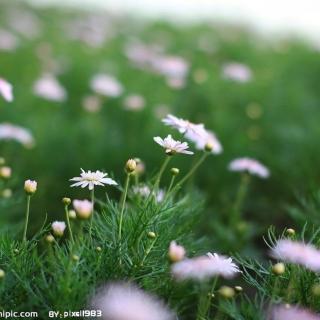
(68, 223)
(240, 197)
(205, 301)
(163, 167)
(91, 219)
(148, 251)
(191, 172)
(123, 203)
(169, 189)
(27, 219)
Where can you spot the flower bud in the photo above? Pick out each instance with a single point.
(72, 214)
(151, 235)
(83, 208)
(175, 171)
(49, 238)
(226, 292)
(58, 228)
(290, 232)
(75, 257)
(66, 201)
(208, 147)
(15, 251)
(30, 187)
(98, 249)
(2, 161)
(176, 253)
(279, 269)
(140, 169)
(7, 193)
(316, 290)
(131, 165)
(238, 289)
(5, 172)
(2, 274)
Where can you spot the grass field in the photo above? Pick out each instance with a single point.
(261, 98)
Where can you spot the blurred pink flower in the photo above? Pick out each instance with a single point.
(134, 102)
(6, 90)
(237, 72)
(11, 132)
(288, 312)
(297, 252)
(92, 103)
(176, 252)
(249, 165)
(8, 41)
(48, 87)
(124, 301)
(106, 85)
(204, 267)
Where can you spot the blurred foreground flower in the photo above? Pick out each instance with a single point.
(249, 165)
(204, 267)
(196, 133)
(106, 85)
(11, 132)
(298, 253)
(92, 179)
(288, 312)
(6, 90)
(237, 71)
(172, 146)
(121, 301)
(48, 87)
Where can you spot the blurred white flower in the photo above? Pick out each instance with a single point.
(196, 133)
(144, 191)
(176, 252)
(6, 90)
(237, 72)
(8, 41)
(90, 179)
(298, 253)
(58, 228)
(121, 301)
(288, 312)
(134, 102)
(172, 146)
(48, 87)
(11, 132)
(173, 67)
(249, 165)
(92, 103)
(106, 85)
(83, 208)
(204, 267)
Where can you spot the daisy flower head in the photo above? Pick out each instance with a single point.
(91, 179)
(172, 146)
(122, 301)
(205, 267)
(249, 165)
(285, 312)
(6, 90)
(299, 253)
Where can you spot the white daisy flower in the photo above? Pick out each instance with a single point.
(121, 301)
(196, 133)
(106, 85)
(249, 165)
(22, 135)
(298, 253)
(92, 179)
(144, 191)
(204, 267)
(237, 72)
(172, 146)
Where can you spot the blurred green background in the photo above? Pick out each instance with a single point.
(274, 117)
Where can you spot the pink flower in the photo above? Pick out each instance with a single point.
(237, 72)
(48, 87)
(6, 90)
(287, 312)
(134, 102)
(249, 165)
(122, 301)
(176, 253)
(9, 131)
(8, 41)
(204, 267)
(297, 252)
(106, 85)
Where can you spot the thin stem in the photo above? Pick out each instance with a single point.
(191, 172)
(148, 251)
(205, 301)
(163, 167)
(27, 219)
(123, 203)
(91, 219)
(169, 189)
(68, 223)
